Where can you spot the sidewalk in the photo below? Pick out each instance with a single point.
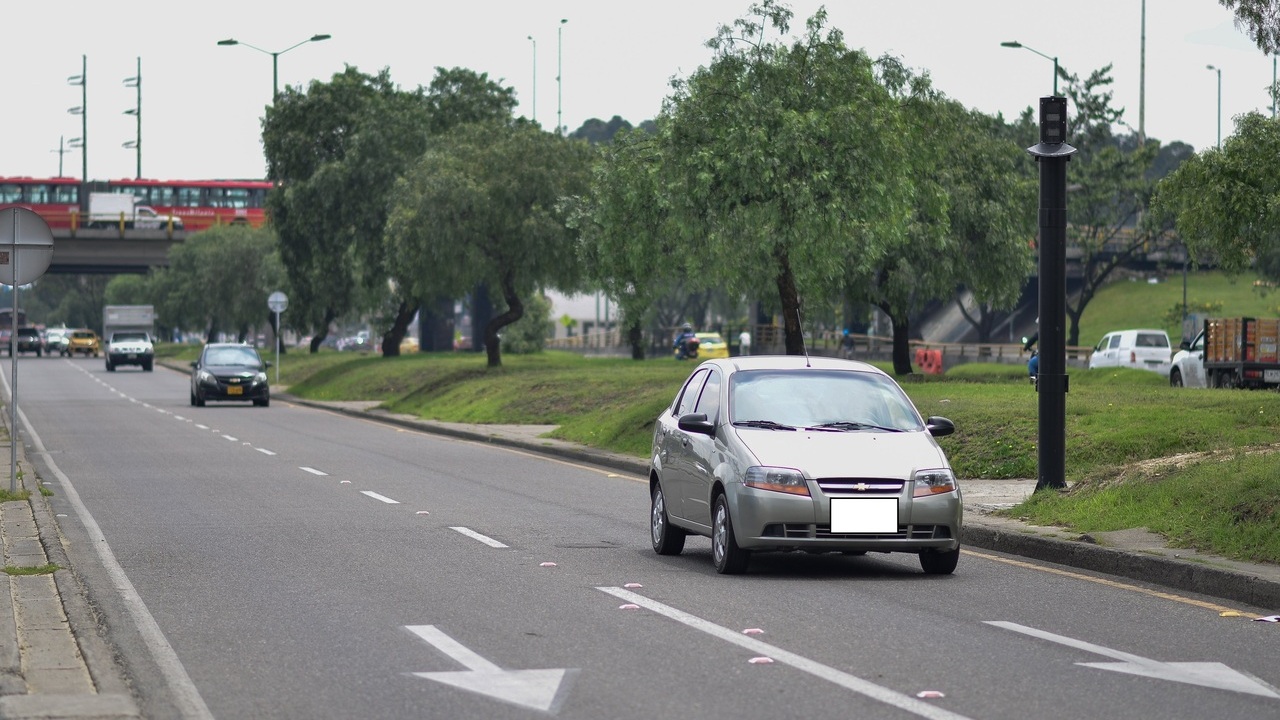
(54, 663)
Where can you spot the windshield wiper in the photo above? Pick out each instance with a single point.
(765, 424)
(846, 426)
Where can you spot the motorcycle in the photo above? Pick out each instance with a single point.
(1033, 365)
(687, 349)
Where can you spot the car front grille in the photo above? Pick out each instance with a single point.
(823, 532)
(860, 486)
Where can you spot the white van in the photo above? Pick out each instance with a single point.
(1141, 349)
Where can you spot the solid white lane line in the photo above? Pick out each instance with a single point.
(477, 536)
(313, 471)
(376, 496)
(799, 662)
(264, 451)
(186, 696)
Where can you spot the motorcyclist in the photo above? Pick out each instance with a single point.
(686, 345)
(1033, 365)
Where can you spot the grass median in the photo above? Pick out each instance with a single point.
(1197, 466)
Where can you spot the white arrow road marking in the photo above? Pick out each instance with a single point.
(477, 536)
(799, 662)
(1204, 674)
(543, 690)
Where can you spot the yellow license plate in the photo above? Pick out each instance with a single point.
(235, 390)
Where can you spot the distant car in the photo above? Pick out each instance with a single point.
(409, 345)
(26, 341)
(792, 453)
(229, 371)
(1141, 349)
(130, 347)
(83, 341)
(55, 340)
(711, 346)
(1187, 366)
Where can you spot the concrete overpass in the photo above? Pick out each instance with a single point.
(111, 251)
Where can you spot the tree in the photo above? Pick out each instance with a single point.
(480, 208)
(219, 280)
(1260, 19)
(1227, 202)
(787, 162)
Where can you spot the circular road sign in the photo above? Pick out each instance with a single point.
(26, 246)
(278, 301)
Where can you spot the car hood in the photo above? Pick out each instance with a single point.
(860, 453)
(232, 369)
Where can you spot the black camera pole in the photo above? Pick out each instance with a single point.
(1053, 153)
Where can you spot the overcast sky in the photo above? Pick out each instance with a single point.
(202, 103)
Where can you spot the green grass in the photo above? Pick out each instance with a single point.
(39, 570)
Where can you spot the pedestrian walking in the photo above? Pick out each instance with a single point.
(744, 343)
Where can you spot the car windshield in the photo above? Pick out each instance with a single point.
(231, 356)
(836, 400)
(129, 337)
(82, 335)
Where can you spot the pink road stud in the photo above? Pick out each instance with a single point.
(547, 564)
(753, 631)
(629, 606)
(930, 694)
(633, 586)
(760, 660)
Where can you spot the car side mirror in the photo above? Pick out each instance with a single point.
(195, 363)
(1186, 345)
(266, 364)
(939, 426)
(696, 423)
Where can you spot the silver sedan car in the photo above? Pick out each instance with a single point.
(790, 453)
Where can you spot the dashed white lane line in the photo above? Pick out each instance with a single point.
(314, 471)
(202, 427)
(228, 437)
(477, 536)
(376, 496)
(264, 451)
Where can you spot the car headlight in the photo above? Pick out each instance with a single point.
(260, 378)
(777, 479)
(933, 482)
(204, 376)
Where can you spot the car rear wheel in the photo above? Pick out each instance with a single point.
(729, 559)
(1175, 378)
(667, 540)
(939, 562)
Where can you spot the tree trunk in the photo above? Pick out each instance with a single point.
(635, 335)
(435, 326)
(793, 334)
(399, 328)
(515, 311)
(901, 346)
(323, 332)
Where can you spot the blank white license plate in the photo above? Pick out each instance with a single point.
(864, 515)
(1271, 376)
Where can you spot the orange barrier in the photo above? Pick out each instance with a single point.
(930, 361)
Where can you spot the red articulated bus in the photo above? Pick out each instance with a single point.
(57, 200)
(200, 203)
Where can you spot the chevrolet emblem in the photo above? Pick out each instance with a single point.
(861, 487)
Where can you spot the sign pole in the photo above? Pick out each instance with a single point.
(277, 347)
(277, 302)
(13, 368)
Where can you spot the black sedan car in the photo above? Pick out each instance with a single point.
(229, 371)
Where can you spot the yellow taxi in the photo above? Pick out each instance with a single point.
(711, 345)
(83, 341)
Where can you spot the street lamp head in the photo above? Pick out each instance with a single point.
(75, 80)
(564, 20)
(1011, 43)
(77, 110)
(318, 38)
(229, 41)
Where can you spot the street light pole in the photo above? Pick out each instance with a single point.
(82, 110)
(1016, 44)
(535, 79)
(136, 111)
(275, 58)
(1219, 71)
(559, 75)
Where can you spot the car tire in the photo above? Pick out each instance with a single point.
(110, 367)
(146, 366)
(197, 400)
(939, 562)
(1175, 378)
(667, 540)
(729, 559)
(262, 402)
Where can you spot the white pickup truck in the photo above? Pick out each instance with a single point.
(130, 347)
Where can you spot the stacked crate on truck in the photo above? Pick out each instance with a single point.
(1242, 352)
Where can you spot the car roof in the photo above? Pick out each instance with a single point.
(790, 362)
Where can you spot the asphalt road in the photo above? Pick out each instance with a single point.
(287, 562)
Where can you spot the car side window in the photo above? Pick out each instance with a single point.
(709, 401)
(689, 396)
(1115, 341)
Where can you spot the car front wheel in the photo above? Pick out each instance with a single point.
(667, 540)
(939, 562)
(729, 559)
(1175, 378)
